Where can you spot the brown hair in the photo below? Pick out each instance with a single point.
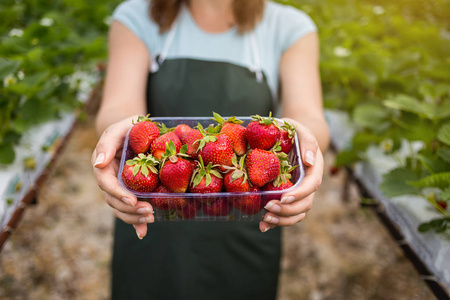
(246, 12)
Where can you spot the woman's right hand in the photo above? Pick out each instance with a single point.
(105, 160)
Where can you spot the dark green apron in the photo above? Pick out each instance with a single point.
(199, 260)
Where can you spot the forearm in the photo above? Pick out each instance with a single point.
(110, 115)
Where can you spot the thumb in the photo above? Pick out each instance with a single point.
(109, 143)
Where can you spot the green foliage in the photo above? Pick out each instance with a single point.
(386, 63)
(47, 48)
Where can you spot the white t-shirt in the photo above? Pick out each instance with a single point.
(280, 27)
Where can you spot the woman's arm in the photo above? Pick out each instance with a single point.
(302, 106)
(123, 100)
(126, 78)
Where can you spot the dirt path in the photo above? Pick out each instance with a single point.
(62, 247)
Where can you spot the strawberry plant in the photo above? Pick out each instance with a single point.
(49, 53)
(386, 64)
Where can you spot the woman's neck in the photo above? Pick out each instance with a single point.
(213, 15)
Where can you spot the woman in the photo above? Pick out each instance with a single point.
(189, 58)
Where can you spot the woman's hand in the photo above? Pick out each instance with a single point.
(293, 206)
(105, 160)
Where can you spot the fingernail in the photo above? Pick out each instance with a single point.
(144, 210)
(309, 157)
(138, 235)
(265, 229)
(273, 207)
(270, 219)
(127, 201)
(145, 220)
(287, 199)
(100, 158)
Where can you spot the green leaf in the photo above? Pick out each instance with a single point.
(144, 170)
(7, 154)
(136, 169)
(208, 179)
(444, 153)
(444, 134)
(346, 157)
(410, 104)
(445, 195)
(371, 116)
(440, 180)
(395, 183)
(8, 66)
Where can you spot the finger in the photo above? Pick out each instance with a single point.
(308, 143)
(141, 208)
(290, 209)
(108, 182)
(141, 230)
(310, 184)
(272, 219)
(264, 226)
(109, 143)
(134, 219)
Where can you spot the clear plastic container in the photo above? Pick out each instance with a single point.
(224, 211)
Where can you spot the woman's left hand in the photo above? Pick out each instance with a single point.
(294, 205)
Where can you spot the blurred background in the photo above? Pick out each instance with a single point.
(385, 68)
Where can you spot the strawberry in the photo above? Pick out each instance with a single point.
(262, 133)
(181, 130)
(158, 146)
(236, 179)
(190, 210)
(168, 203)
(140, 174)
(262, 166)
(142, 134)
(283, 181)
(190, 139)
(206, 180)
(233, 129)
(176, 171)
(218, 208)
(251, 204)
(287, 137)
(215, 149)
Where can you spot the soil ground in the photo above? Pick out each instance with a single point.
(62, 246)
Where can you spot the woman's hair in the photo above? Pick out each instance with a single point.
(246, 12)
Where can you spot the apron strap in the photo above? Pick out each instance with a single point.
(157, 60)
(256, 59)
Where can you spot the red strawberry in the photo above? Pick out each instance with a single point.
(158, 146)
(206, 180)
(272, 187)
(234, 131)
(236, 179)
(220, 207)
(442, 204)
(181, 130)
(287, 137)
(216, 150)
(190, 139)
(262, 133)
(262, 166)
(142, 134)
(190, 210)
(140, 174)
(251, 204)
(164, 203)
(283, 181)
(176, 171)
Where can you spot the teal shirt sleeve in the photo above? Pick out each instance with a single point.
(286, 24)
(134, 15)
(296, 24)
